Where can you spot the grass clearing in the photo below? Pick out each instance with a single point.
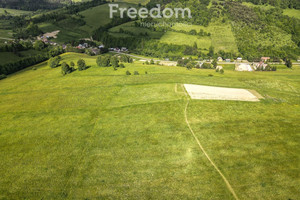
(184, 39)
(221, 38)
(101, 134)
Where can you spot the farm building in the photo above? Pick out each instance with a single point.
(243, 67)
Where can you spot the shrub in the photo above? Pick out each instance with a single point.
(81, 65)
(114, 62)
(206, 66)
(54, 62)
(65, 68)
(288, 63)
(2, 76)
(214, 63)
(72, 64)
(221, 71)
(103, 61)
(136, 73)
(128, 72)
(146, 72)
(210, 75)
(151, 62)
(147, 63)
(189, 66)
(122, 65)
(217, 70)
(34, 68)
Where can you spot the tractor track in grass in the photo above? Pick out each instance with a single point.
(203, 150)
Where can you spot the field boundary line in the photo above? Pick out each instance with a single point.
(207, 156)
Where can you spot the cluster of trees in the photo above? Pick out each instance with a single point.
(193, 32)
(189, 64)
(16, 47)
(33, 5)
(12, 67)
(114, 61)
(277, 3)
(67, 69)
(102, 34)
(53, 62)
(254, 28)
(267, 68)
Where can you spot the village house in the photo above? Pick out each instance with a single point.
(220, 59)
(227, 60)
(124, 49)
(239, 59)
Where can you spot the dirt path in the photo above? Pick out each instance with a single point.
(207, 156)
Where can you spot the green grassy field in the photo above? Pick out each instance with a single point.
(99, 134)
(185, 39)
(222, 37)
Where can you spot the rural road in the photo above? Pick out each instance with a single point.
(222, 63)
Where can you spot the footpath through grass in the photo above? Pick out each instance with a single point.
(101, 134)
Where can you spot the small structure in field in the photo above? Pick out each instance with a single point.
(227, 60)
(220, 59)
(239, 59)
(243, 67)
(265, 59)
(261, 65)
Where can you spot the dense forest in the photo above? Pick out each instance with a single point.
(33, 4)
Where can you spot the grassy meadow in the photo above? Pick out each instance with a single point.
(222, 37)
(100, 134)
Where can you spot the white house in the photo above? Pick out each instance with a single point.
(239, 59)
